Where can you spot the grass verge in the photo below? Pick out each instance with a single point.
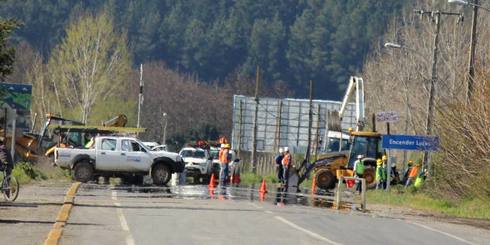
(474, 208)
(26, 172)
(249, 178)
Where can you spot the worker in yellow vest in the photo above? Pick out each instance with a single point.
(359, 171)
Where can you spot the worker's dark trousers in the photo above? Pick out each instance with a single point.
(223, 173)
(279, 172)
(285, 176)
(359, 183)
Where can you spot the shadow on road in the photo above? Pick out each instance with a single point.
(16, 221)
(168, 207)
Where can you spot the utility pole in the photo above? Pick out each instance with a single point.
(436, 15)
(471, 62)
(140, 96)
(310, 119)
(256, 113)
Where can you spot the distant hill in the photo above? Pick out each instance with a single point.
(291, 40)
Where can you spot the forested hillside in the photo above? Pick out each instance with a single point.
(291, 40)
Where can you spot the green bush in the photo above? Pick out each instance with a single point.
(24, 172)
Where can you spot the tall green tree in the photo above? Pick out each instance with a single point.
(7, 52)
(90, 64)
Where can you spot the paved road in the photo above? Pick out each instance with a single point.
(190, 216)
(28, 220)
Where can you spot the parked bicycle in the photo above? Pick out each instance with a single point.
(10, 185)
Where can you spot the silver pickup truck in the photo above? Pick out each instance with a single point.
(121, 157)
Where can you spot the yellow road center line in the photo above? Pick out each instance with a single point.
(55, 234)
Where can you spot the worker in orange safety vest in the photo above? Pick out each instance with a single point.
(224, 160)
(286, 163)
(413, 173)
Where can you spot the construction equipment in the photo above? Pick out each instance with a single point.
(118, 121)
(77, 136)
(330, 166)
(29, 146)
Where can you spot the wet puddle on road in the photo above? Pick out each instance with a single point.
(275, 195)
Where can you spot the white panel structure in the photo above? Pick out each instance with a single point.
(283, 122)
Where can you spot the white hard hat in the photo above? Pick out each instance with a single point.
(360, 156)
(281, 150)
(286, 149)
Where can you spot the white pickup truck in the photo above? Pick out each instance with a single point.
(119, 156)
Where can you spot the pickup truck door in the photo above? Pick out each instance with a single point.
(108, 155)
(136, 156)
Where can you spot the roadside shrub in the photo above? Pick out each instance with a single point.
(25, 172)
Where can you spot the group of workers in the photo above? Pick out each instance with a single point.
(412, 175)
(283, 163)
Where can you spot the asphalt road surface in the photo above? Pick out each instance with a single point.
(190, 215)
(28, 220)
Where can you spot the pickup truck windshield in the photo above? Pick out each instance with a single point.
(195, 154)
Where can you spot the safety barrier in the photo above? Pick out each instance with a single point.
(342, 194)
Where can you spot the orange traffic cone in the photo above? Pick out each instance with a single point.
(263, 187)
(211, 182)
(261, 196)
(313, 186)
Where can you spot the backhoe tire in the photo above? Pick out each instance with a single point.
(324, 179)
(83, 172)
(160, 174)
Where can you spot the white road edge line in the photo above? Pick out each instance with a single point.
(255, 205)
(312, 234)
(442, 232)
(122, 220)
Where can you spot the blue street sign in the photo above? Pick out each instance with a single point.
(411, 142)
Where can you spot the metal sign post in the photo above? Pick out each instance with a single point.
(388, 117)
(12, 141)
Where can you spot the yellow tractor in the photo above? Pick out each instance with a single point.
(329, 166)
(368, 144)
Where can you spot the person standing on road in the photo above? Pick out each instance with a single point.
(286, 162)
(224, 160)
(380, 175)
(413, 173)
(407, 172)
(359, 171)
(278, 160)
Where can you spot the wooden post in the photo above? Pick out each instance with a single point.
(277, 140)
(254, 134)
(299, 124)
(240, 115)
(317, 134)
(310, 123)
(325, 136)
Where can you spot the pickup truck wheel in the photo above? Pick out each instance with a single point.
(83, 172)
(160, 174)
